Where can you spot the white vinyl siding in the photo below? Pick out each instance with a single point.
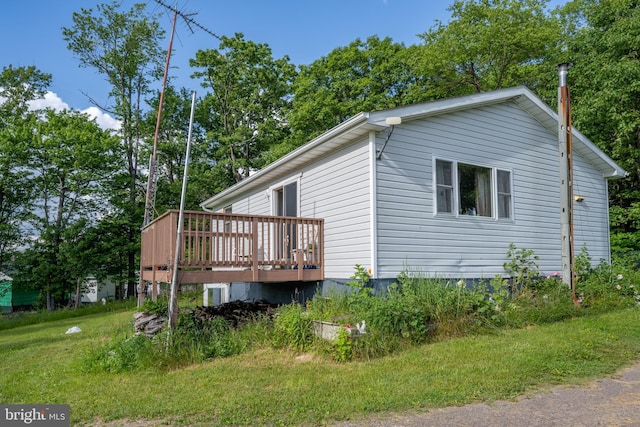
(505, 138)
(337, 189)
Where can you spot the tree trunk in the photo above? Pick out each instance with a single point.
(78, 286)
(51, 306)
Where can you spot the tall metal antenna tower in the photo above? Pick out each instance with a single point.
(150, 202)
(149, 208)
(188, 19)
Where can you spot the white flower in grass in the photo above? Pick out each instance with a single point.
(620, 277)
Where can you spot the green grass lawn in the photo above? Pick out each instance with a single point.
(42, 365)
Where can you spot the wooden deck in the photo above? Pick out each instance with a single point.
(218, 247)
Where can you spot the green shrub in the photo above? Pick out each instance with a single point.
(336, 305)
(160, 307)
(412, 311)
(125, 353)
(292, 327)
(398, 313)
(343, 346)
(543, 301)
(522, 266)
(610, 286)
(195, 340)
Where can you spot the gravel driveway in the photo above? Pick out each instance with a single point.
(610, 402)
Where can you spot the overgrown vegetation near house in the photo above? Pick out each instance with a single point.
(415, 310)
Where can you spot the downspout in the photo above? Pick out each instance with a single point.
(566, 179)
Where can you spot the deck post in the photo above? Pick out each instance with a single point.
(255, 250)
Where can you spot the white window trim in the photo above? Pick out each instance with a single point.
(456, 189)
(512, 206)
(454, 183)
(224, 292)
(273, 188)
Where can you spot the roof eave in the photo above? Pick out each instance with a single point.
(339, 135)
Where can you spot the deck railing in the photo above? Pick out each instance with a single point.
(232, 247)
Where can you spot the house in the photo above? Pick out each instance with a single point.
(94, 290)
(442, 188)
(14, 299)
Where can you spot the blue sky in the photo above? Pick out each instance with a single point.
(304, 30)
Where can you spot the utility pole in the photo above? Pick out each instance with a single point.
(566, 178)
(173, 297)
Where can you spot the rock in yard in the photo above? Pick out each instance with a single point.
(73, 330)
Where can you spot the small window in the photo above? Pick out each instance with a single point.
(504, 194)
(227, 224)
(444, 185)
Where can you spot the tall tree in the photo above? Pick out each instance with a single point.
(605, 85)
(18, 86)
(72, 159)
(124, 47)
(249, 100)
(487, 45)
(363, 76)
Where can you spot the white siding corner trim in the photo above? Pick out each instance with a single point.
(374, 206)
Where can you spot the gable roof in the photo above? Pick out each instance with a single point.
(361, 124)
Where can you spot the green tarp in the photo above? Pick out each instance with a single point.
(11, 299)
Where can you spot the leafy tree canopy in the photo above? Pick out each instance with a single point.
(363, 76)
(244, 112)
(487, 45)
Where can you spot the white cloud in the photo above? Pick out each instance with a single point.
(104, 120)
(52, 100)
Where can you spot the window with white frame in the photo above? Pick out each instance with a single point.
(474, 190)
(504, 194)
(444, 184)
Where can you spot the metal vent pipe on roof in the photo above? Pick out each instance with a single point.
(563, 70)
